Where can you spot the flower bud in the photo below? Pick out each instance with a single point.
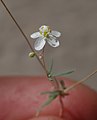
(31, 54)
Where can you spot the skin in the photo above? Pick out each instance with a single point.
(20, 96)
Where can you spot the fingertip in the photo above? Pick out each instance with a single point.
(81, 103)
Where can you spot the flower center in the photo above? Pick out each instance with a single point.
(44, 30)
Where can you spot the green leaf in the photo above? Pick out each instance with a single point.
(52, 97)
(51, 67)
(54, 93)
(64, 73)
(47, 92)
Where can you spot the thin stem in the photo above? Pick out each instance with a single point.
(55, 81)
(17, 25)
(79, 82)
(20, 29)
(62, 106)
(57, 86)
(43, 58)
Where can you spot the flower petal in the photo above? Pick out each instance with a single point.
(53, 42)
(39, 43)
(56, 33)
(35, 35)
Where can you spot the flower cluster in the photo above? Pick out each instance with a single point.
(44, 35)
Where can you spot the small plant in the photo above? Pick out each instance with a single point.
(43, 36)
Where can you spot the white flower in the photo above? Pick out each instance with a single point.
(44, 35)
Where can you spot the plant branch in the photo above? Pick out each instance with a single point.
(43, 58)
(62, 106)
(79, 82)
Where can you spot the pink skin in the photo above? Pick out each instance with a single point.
(20, 96)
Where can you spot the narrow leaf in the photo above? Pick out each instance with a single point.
(51, 93)
(64, 73)
(51, 67)
(47, 92)
(50, 99)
